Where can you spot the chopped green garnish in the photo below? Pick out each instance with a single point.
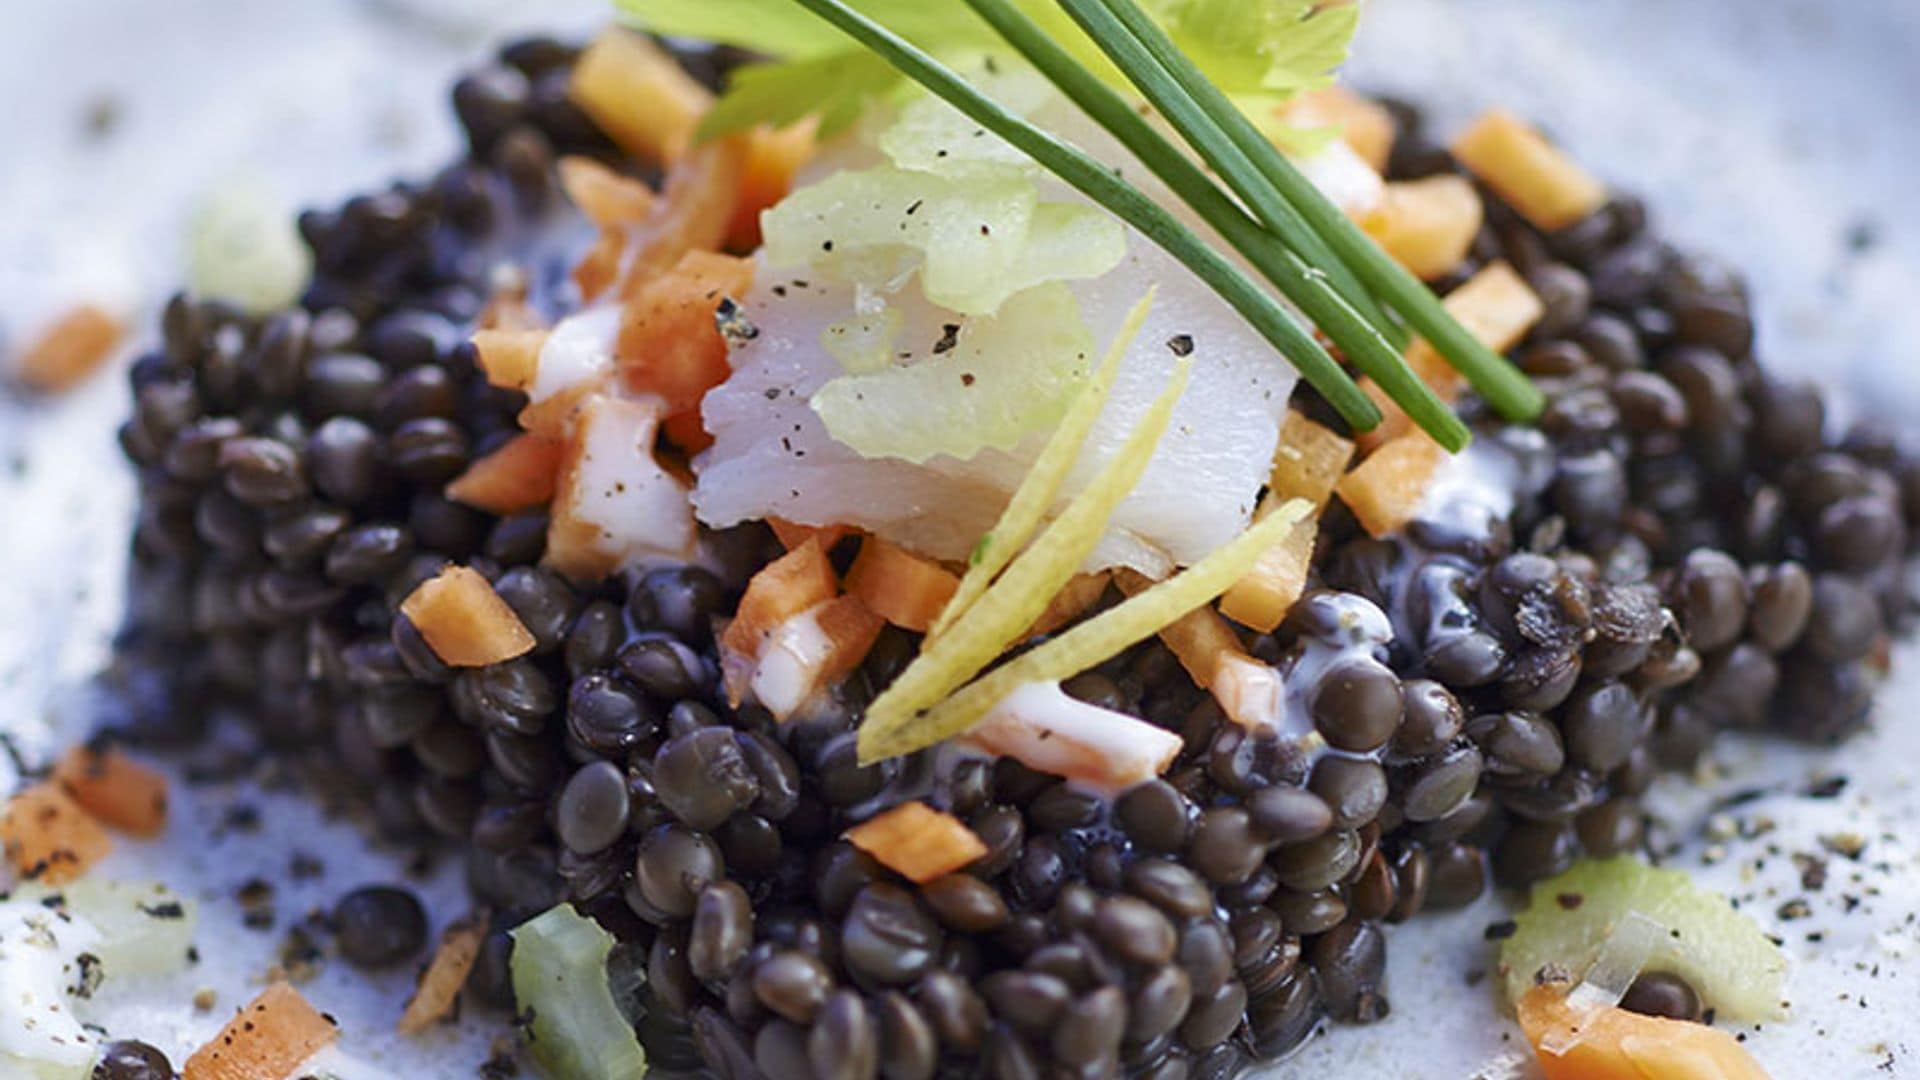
(575, 1031)
(1102, 637)
(893, 723)
(1569, 918)
(1002, 377)
(1037, 490)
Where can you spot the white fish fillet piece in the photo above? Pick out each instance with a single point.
(772, 457)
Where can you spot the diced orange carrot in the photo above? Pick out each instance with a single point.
(639, 95)
(669, 343)
(265, 1040)
(917, 842)
(1537, 178)
(774, 156)
(792, 534)
(446, 973)
(464, 621)
(517, 476)
(1261, 599)
(49, 837)
(1428, 225)
(793, 583)
(1364, 124)
(905, 589)
(606, 198)
(1384, 491)
(1495, 305)
(1080, 592)
(599, 268)
(510, 358)
(114, 788)
(1248, 691)
(1309, 460)
(1614, 1044)
(687, 431)
(69, 349)
(696, 206)
(1198, 639)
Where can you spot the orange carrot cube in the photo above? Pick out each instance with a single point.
(1261, 599)
(114, 788)
(917, 842)
(69, 349)
(905, 589)
(1610, 1043)
(464, 621)
(639, 95)
(670, 343)
(48, 837)
(266, 1039)
(792, 534)
(517, 476)
(1385, 491)
(1537, 178)
(1309, 461)
(444, 976)
(607, 198)
(1428, 225)
(774, 157)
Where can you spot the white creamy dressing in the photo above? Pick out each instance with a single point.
(1478, 487)
(1364, 632)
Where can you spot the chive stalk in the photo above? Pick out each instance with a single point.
(1098, 183)
(1292, 271)
(1316, 293)
(1503, 386)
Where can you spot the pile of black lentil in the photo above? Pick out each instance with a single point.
(1691, 552)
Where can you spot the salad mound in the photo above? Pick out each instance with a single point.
(858, 605)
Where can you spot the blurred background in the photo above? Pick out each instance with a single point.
(1774, 134)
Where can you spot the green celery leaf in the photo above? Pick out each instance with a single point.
(836, 86)
(1306, 52)
(774, 27)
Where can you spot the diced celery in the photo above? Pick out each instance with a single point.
(864, 343)
(1106, 634)
(974, 243)
(893, 723)
(145, 928)
(242, 246)
(931, 136)
(1037, 489)
(1723, 953)
(575, 1030)
(1005, 375)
